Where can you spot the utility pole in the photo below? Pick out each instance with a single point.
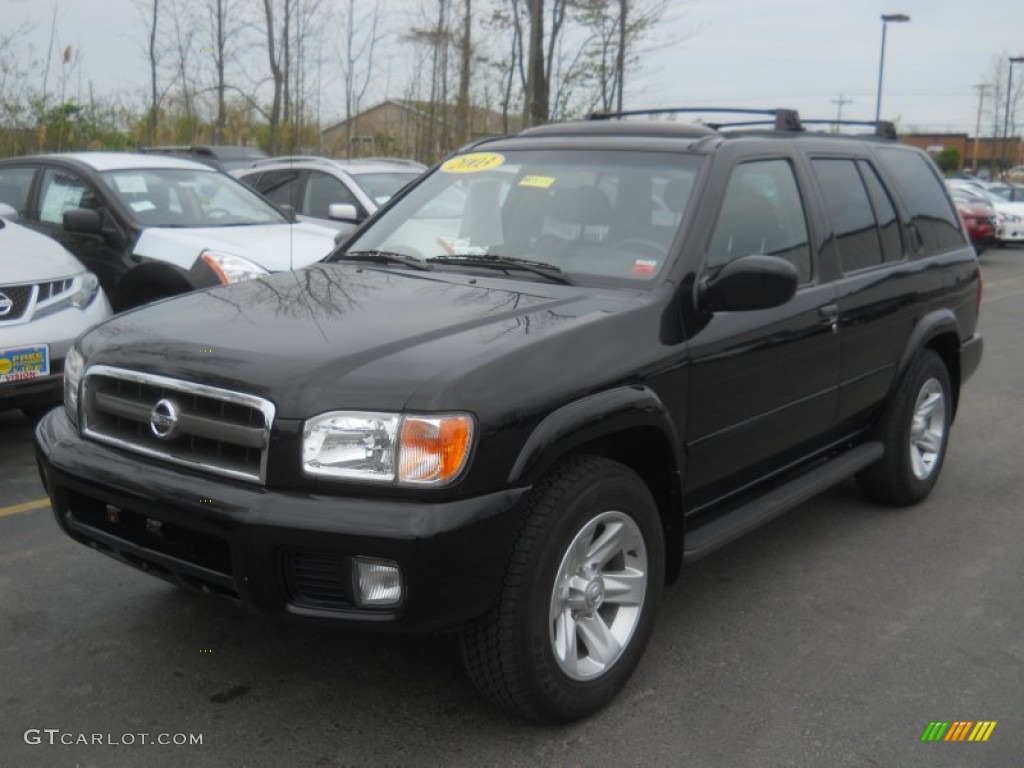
(841, 101)
(977, 128)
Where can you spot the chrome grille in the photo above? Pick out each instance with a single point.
(214, 430)
(55, 288)
(19, 299)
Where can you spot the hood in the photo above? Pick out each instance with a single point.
(28, 257)
(339, 336)
(275, 247)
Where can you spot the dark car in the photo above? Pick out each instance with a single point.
(223, 157)
(535, 384)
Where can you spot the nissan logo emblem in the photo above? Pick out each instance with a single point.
(6, 305)
(163, 419)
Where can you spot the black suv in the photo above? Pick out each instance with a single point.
(531, 387)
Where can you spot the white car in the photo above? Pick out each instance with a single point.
(336, 193)
(47, 299)
(152, 226)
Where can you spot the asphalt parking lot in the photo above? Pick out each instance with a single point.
(831, 637)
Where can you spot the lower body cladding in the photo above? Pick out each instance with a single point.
(414, 566)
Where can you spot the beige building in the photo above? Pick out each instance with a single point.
(411, 129)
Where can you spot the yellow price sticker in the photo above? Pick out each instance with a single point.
(473, 163)
(540, 182)
(5, 366)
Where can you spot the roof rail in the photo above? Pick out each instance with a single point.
(782, 119)
(286, 159)
(883, 128)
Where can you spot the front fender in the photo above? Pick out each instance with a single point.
(589, 419)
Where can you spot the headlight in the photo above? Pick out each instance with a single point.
(88, 287)
(429, 450)
(230, 268)
(74, 367)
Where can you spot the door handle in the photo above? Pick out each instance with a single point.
(829, 315)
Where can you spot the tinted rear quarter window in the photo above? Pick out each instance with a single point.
(921, 189)
(885, 214)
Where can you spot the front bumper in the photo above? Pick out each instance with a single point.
(278, 552)
(58, 330)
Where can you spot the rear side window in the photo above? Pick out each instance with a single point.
(921, 189)
(849, 209)
(280, 187)
(14, 187)
(863, 218)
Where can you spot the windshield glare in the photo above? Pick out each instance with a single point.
(605, 214)
(171, 197)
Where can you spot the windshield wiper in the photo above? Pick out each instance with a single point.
(382, 257)
(506, 263)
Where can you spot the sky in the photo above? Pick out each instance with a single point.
(804, 54)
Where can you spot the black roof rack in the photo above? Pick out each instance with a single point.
(782, 119)
(883, 128)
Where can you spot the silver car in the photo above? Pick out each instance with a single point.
(47, 298)
(336, 193)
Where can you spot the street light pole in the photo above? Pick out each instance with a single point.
(1006, 114)
(977, 128)
(886, 18)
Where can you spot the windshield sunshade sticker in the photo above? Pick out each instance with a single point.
(473, 163)
(645, 267)
(131, 185)
(540, 182)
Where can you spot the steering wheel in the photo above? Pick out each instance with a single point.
(217, 213)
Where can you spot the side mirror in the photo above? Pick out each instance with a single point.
(83, 220)
(748, 283)
(288, 211)
(8, 212)
(343, 211)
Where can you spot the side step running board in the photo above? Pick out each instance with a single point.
(707, 539)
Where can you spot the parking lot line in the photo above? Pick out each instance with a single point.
(25, 506)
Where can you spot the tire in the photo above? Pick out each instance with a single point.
(915, 432)
(572, 619)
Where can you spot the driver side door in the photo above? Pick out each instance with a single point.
(763, 383)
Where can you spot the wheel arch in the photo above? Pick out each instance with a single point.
(938, 331)
(629, 425)
(142, 280)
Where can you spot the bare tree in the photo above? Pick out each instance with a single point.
(361, 35)
(226, 24)
(543, 44)
(615, 28)
(275, 57)
(154, 60)
(462, 106)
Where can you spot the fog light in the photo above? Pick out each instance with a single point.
(380, 581)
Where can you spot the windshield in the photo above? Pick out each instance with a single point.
(600, 213)
(381, 187)
(171, 197)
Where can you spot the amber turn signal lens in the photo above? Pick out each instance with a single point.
(433, 450)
